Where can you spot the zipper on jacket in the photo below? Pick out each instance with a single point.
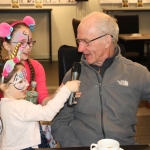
(100, 83)
(102, 124)
(100, 95)
(101, 103)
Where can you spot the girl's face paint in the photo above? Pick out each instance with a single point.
(20, 80)
(23, 35)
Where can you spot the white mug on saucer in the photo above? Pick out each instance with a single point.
(106, 144)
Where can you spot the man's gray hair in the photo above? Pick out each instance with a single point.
(105, 24)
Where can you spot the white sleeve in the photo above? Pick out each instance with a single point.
(27, 111)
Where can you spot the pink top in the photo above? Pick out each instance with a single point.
(40, 78)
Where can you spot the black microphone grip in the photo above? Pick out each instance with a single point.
(75, 76)
(71, 99)
(75, 73)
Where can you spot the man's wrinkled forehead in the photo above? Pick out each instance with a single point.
(22, 34)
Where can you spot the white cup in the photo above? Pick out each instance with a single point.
(106, 144)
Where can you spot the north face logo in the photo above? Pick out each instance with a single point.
(123, 82)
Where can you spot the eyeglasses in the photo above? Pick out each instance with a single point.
(24, 44)
(86, 42)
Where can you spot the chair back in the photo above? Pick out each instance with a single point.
(67, 55)
(75, 23)
(128, 23)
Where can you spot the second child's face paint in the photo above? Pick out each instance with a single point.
(18, 85)
(20, 81)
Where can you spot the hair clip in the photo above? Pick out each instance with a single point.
(29, 21)
(10, 64)
(15, 52)
(6, 29)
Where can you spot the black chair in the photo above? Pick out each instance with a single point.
(75, 23)
(67, 55)
(129, 24)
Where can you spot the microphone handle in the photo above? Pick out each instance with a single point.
(75, 76)
(71, 99)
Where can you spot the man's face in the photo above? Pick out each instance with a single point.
(94, 51)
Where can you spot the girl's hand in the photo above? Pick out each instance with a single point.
(73, 85)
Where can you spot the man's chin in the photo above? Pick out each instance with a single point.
(89, 61)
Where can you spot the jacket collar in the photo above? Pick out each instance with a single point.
(106, 63)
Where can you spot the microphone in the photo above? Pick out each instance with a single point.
(75, 73)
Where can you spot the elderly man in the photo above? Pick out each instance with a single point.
(111, 86)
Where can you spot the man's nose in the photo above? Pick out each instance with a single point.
(81, 47)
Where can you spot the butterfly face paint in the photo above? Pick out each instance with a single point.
(20, 81)
(23, 37)
(29, 41)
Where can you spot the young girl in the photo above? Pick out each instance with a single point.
(13, 32)
(19, 116)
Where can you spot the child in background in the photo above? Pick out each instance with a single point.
(19, 116)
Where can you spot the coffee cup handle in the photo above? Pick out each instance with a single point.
(93, 146)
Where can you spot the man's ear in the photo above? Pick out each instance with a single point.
(6, 46)
(107, 41)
